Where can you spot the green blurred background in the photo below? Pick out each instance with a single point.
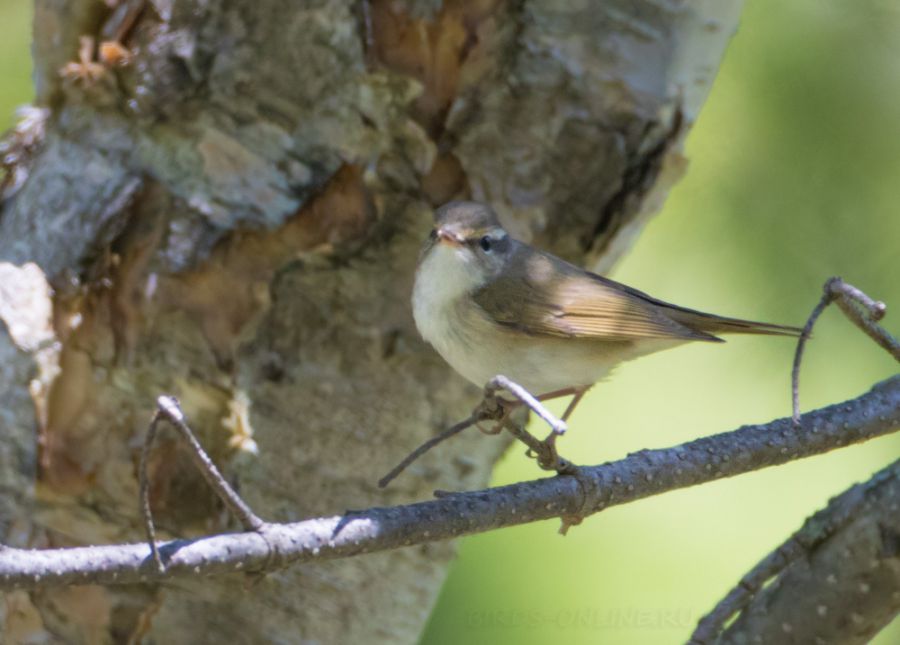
(794, 177)
(15, 58)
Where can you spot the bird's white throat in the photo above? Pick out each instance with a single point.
(445, 275)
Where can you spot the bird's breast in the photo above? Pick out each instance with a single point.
(443, 281)
(479, 348)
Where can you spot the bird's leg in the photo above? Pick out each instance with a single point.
(500, 382)
(524, 397)
(579, 393)
(548, 453)
(507, 407)
(544, 451)
(555, 394)
(496, 423)
(587, 484)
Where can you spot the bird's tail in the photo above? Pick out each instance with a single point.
(712, 324)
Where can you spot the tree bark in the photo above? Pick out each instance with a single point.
(234, 218)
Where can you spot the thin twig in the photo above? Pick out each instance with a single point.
(146, 512)
(518, 431)
(169, 407)
(544, 452)
(490, 407)
(848, 298)
(642, 474)
(496, 408)
(798, 354)
(875, 310)
(169, 410)
(425, 447)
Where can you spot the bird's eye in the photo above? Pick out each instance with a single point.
(486, 243)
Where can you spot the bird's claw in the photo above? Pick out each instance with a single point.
(548, 458)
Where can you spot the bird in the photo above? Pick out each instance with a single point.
(494, 305)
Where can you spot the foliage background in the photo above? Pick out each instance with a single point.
(793, 178)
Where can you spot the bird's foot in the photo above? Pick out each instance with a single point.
(493, 413)
(547, 456)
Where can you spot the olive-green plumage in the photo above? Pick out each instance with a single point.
(492, 305)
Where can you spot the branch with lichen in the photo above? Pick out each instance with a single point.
(641, 474)
(837, 577)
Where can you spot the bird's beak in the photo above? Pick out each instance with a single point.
(446, 237)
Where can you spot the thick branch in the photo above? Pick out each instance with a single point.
(641, 474)
(841, 582)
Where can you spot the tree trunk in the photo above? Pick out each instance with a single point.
(234, 217)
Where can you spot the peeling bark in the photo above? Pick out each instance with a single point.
(234, 217)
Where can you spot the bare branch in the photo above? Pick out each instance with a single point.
(169, 410)
(641, 474)
(849, 299)
(144, 481)
(453, 430)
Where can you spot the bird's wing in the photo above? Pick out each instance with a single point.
(559, 299)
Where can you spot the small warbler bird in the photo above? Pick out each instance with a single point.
(491, 304)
